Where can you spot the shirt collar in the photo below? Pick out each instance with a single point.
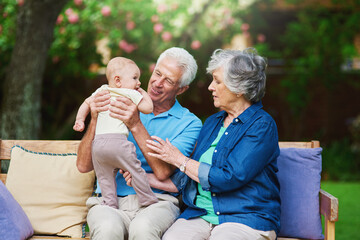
(176, 110)
(244, 116)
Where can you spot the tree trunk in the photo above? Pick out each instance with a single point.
(20, 118)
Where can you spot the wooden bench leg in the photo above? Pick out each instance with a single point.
(329, 230)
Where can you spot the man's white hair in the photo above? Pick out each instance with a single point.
(185, 61)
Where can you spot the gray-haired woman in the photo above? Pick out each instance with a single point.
(232, 191)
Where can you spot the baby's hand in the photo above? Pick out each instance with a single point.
(79, 126)
(140, 90)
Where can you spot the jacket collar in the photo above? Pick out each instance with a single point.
(246, 115)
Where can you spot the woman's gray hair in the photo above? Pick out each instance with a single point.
(185, 61)
(244, 71)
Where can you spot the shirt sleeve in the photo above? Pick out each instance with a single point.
(241, 164)
(186, 140)
(103, 87)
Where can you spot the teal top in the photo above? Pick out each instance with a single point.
(203, 199)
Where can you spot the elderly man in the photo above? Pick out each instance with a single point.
(174, 71)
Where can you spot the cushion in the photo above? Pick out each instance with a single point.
(14, 224)
(51, 190)
(299, 178)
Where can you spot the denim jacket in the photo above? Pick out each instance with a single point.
(242, 177)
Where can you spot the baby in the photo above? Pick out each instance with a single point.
(111, 150)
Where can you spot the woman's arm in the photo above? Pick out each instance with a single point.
(168, 153)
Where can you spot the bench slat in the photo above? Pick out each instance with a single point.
(52, 146)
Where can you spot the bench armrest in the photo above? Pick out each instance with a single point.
(329, 208)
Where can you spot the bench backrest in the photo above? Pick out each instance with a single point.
(71, 146)
(51, 146)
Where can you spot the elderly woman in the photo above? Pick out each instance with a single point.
(232, 191)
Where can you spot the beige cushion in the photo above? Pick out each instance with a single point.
(51, 190)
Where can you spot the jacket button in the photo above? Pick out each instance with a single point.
(217, 213)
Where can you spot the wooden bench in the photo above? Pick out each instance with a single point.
(328, 203)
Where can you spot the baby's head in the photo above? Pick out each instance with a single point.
(123, 73)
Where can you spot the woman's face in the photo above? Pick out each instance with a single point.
(223, 97)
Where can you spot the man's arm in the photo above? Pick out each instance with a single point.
(84, 159)
(166, 185)
(125, 110)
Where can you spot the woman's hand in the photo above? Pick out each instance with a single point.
(165, 151)
(99, 103)
(125, 110)
(127, 177)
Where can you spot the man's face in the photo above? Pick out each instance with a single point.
(164, 83)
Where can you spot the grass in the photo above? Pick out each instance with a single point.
(348, 194)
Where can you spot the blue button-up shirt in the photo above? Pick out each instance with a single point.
(179, 125)
(242, 177)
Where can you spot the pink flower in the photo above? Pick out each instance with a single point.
(20, 2)
(127, 47)
(245, 27)
(5, 14)
(174, 6)
(62, 30)
(161, 8)
(55, 59)
(130, 25)
(154, 18)
(166, 36)
(227, 11)
(152, 67)
(106, 11)
(73, 18)
(230, 21)
(68, 11)
(123, 44)
(158, 27)
(59, 19)
(78, 2)
(196, 44)
(261, 38)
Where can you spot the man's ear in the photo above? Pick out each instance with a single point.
(182, 90)
(117, 81)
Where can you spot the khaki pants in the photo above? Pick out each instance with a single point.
(199, 229)
(131, 221)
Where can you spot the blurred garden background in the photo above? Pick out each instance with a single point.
(53, 55)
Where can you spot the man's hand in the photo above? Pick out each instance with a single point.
(99, 103)
(127, 177)
(125, 110)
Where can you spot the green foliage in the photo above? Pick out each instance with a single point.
(348, 194)
(340, 162)
(7, 32)
(139, 30)
(317, 43)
